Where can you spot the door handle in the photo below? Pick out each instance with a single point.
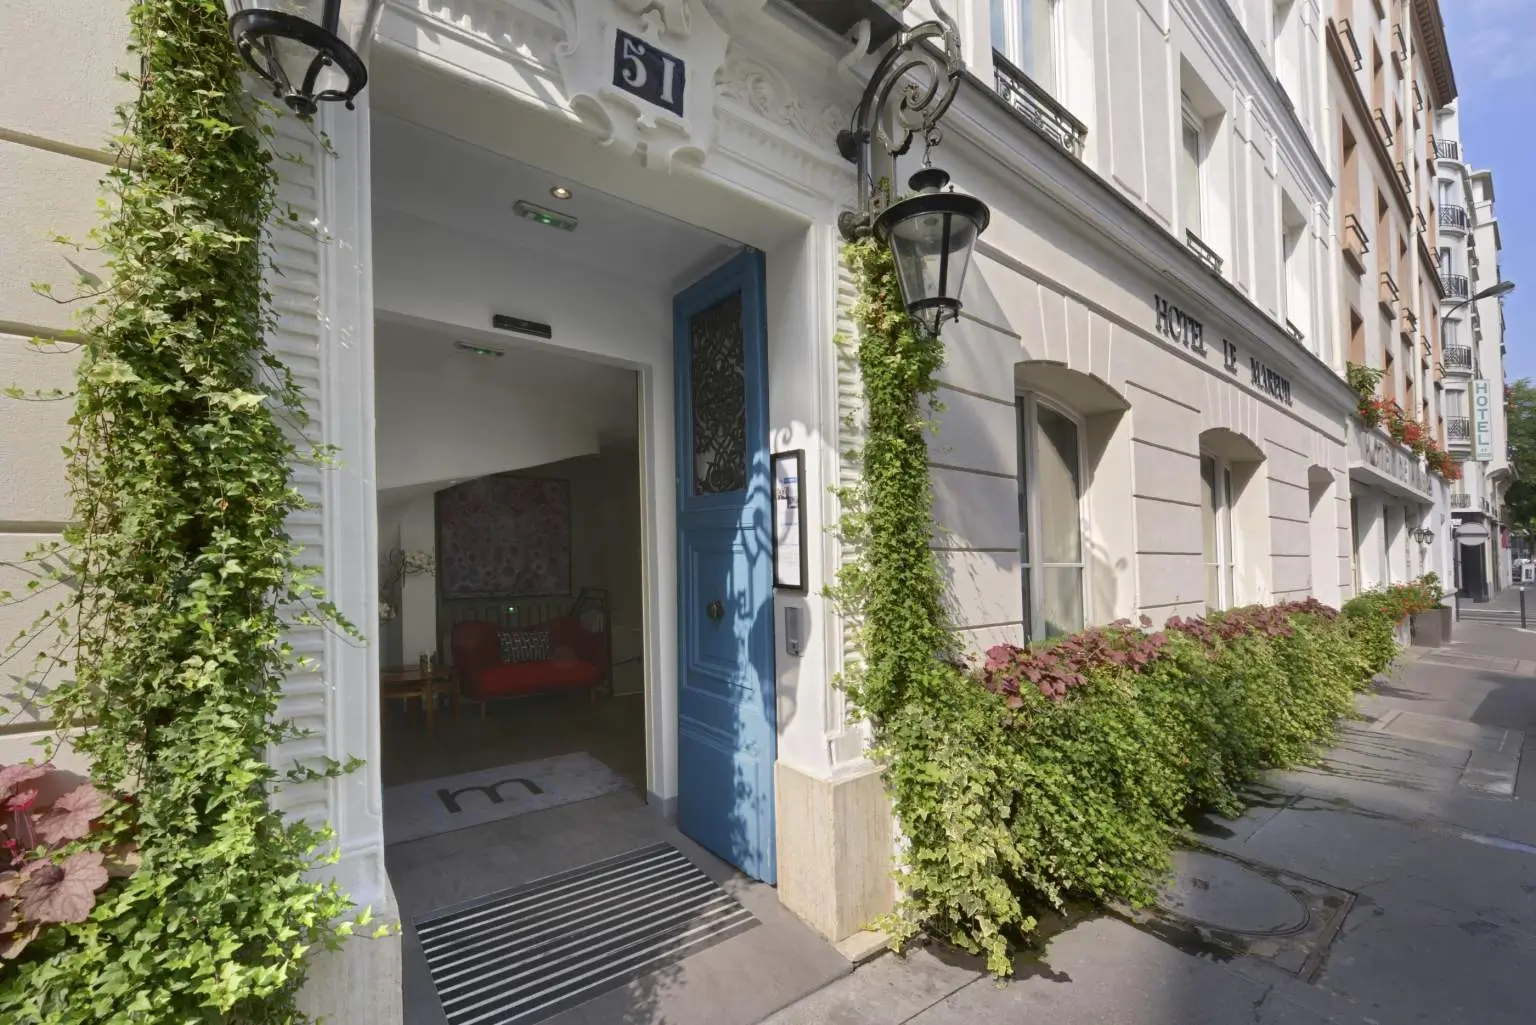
(715, 609)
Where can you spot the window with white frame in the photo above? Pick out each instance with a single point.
(1027, 33)
(1216, 530)
(1286, 34)
(1293, 254)
(1051, 490)
(1192, 152)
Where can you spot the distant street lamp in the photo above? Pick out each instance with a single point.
(1496, 291)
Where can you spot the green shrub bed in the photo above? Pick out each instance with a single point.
(1068, 769)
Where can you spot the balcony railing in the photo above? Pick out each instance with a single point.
(1454, 217)
(1456, 286)
(1458, 428)
(1385, 126)
(1350, 44)
(1457, 358)
(1447, 149)
(1460, 501)
(1203, 252)
(1356, 244)
(1038, 107)
(1389, 293)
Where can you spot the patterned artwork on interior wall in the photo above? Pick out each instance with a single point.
(504, 537)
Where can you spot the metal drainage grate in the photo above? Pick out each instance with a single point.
(527, 953)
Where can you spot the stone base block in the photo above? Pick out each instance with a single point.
(360, 984)
(835, 844)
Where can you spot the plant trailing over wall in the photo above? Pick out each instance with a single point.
(1440, 461)
(1374, 411)
(187, 578)
(1062, 769)
(1363, 379)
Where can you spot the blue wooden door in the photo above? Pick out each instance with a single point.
(726, 738)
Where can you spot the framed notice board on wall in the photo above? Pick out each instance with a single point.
(789, 541)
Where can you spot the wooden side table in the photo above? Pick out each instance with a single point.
(402, 683)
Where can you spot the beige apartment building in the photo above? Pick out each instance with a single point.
(1389, 72)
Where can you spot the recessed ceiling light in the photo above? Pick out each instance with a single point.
(544, 215)
(560, 192)
(478, 350)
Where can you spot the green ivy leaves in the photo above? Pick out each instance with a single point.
(179, 470)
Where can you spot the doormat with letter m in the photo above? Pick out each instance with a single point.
(522, 955)
(442, 805)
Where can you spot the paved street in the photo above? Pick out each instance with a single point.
(1394, 882)
(1503, 609)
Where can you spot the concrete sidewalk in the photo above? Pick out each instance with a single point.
(1394, 882)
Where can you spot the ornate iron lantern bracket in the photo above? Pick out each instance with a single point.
(928, 81)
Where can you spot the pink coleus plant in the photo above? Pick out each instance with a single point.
(43, 812)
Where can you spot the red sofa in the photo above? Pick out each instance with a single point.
(576, 661)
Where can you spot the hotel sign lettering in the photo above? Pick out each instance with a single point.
(1178, 326)
(1482, 420)
(1173, 323)
(1266, 380)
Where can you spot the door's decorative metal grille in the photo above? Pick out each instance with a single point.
(718, 368)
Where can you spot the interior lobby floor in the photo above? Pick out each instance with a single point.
(611, 729)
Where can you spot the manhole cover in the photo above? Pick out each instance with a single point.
(1229, 895)
(1220, 906)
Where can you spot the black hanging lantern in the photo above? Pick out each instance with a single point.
(1423, 535)
(309, 51)
(930, 233)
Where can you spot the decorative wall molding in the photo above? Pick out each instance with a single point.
(781, 86)
(767, 92)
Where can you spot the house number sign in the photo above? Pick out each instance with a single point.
(642, 70)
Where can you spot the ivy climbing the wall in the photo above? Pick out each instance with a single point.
(185, 576)
(910, 683)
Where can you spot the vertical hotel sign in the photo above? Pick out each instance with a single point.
(1482, 420)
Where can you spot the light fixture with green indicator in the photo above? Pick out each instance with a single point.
(544, 215)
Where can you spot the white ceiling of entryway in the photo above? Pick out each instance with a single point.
(442, 414)
(426, 174)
